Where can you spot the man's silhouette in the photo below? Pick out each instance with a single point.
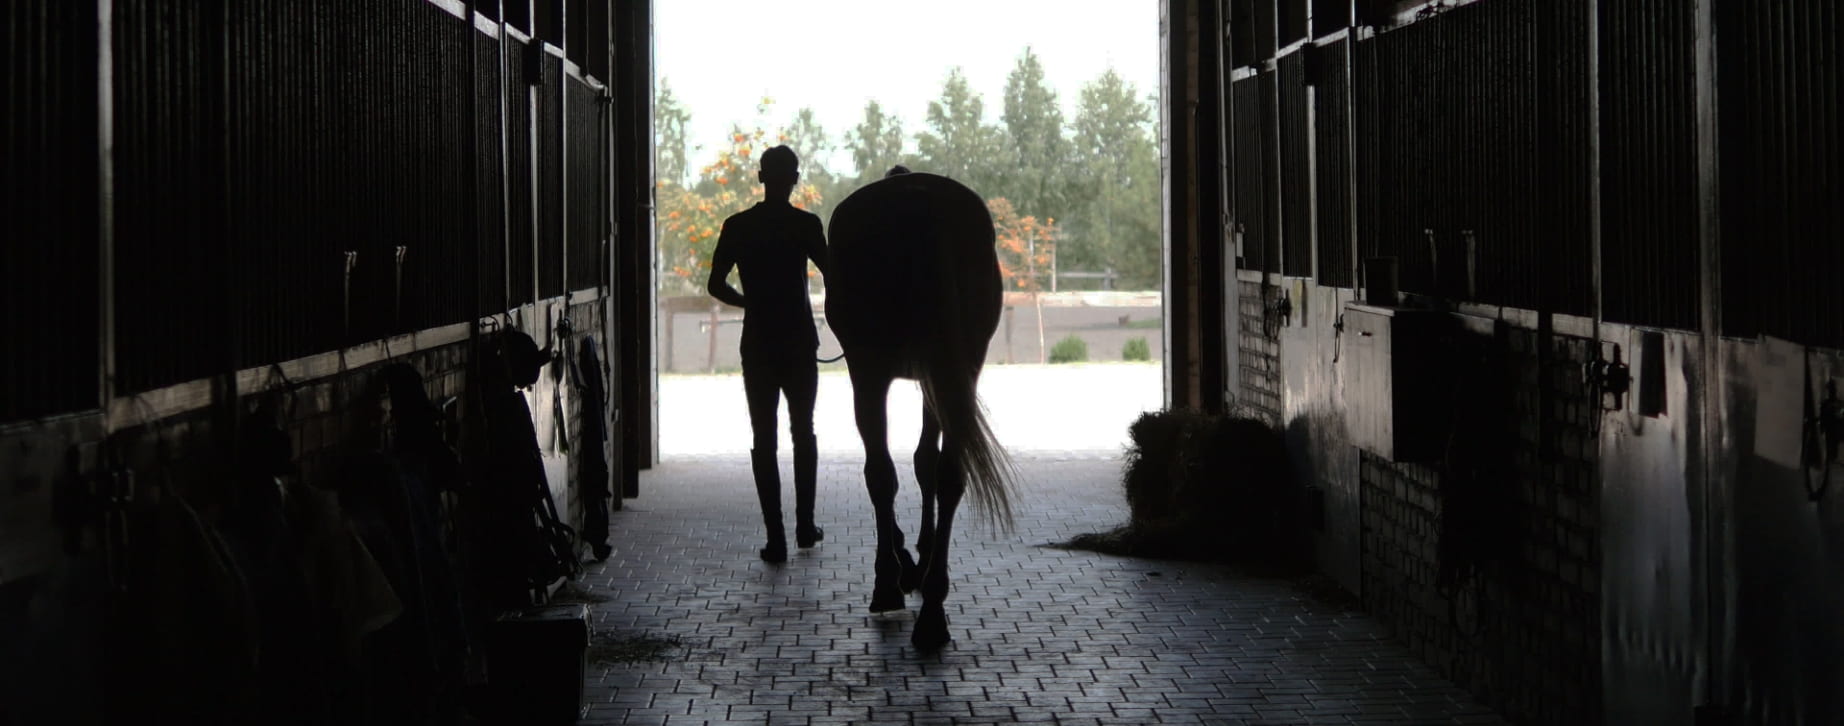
(770, 244)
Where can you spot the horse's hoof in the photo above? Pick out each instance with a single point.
(911, 575)
(931, 630)
(885, 599)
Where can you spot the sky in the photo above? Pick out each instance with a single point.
(722, 56)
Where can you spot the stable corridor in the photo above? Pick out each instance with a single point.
(1041, 635)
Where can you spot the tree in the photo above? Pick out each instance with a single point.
(959, 143)
(669, 120)
(1115, 222)
(876, 144)
(689, 219)
(1026, 245)
(809, 141)
(1027, 249)
(1040, 157)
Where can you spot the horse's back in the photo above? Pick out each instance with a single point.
(912, 257)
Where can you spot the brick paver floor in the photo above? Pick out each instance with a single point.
(1041, 635)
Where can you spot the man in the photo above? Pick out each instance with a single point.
(770, 244)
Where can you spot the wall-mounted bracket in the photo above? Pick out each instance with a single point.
(1611, 378)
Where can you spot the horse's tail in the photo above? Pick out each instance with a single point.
(950, 392)
(950, 380)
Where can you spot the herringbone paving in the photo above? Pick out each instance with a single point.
(1041, 635)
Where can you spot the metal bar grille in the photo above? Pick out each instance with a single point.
(440, 275)
(1373, 122)
(519, 174)
(1778, 74)
(255, 144)
(491, 252)
(288, 262)
(550, 177)
(1250, 201)
(586, 189)
(1473, 154)
(372, 163)
(428, 135)
(1296, 168)
(50, 261)
(1269, 119)
(1649, 258)
(169, 232)
(1332, 155)
(1564, 241)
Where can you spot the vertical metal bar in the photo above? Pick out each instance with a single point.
(535, 174)
(1211, 276)
(1594, 167)
(563, 153)
(1175, 113)
(505, 174)
(1717, 571)
(105, 204)
(1349, 99)
(1230, 213)
(470, 222)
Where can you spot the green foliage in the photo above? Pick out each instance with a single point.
(1039, 170)
(876, 144)
(669, 119)
(812, 146)
(1116, 223)
(688, 220)
(1095, 177)
(958, 143)
(1070, 349)
(1136, 349)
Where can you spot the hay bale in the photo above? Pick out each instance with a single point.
(1211, 487)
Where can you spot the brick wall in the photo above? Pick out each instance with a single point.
(1521, 628)
(1259, 384)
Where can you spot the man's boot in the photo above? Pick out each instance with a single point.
(806, 472)
(768, 491)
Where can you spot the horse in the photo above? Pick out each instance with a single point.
(914, 291)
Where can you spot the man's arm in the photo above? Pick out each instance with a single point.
(721, 264)
(815, 244)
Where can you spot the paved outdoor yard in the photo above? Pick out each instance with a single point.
(1041, 634)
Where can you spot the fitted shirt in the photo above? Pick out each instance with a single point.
(770, 244)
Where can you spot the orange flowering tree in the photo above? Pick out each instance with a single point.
(689, 219)
(1027, 256)
(1027, 246)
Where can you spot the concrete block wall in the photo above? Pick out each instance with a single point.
(1523, 630)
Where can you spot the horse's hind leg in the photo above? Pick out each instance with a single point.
(868, 393)
(931, 629)
(927, 461)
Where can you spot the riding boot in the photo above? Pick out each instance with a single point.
(806, 473)
(768, 490)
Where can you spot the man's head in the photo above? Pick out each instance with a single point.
(780, 167)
